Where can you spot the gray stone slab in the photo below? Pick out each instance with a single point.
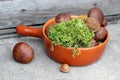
(44, 68)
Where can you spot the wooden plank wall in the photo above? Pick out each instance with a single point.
(14, 12)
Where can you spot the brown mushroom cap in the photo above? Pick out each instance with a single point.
(63, 17)
(93, 24)
(101, 34)
(96, 13)
(105, 22)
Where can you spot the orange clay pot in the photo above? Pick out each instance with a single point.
(63, 54)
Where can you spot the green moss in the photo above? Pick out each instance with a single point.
(71, 33)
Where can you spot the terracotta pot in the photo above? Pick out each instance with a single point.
(63, 54)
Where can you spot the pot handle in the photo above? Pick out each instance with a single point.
(29, 31)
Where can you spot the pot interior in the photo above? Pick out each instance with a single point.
(51, 23)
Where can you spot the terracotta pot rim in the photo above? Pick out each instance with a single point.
(52, 21)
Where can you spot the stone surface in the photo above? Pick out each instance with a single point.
(44, 68)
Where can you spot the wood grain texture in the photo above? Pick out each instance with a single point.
(107, 68)
(34, 12)
(38, 11)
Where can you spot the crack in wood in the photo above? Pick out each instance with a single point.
(11, 32)
(6, 0)
(113, 17)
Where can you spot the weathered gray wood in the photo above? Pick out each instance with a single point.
(5, 0)
(107, 68)
(38, 11)
(9, 36)
(8, 27)
(7, 31)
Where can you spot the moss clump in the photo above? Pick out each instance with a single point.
(72, 33)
